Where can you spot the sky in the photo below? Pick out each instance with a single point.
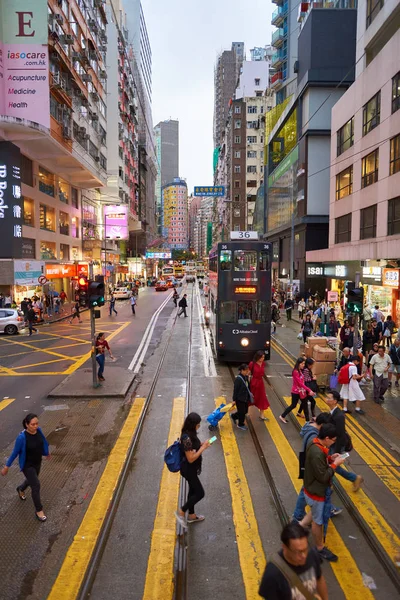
(186, 36)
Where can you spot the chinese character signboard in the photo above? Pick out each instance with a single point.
(24, 61)
(116, 222)
(214, 190)
(158, 254)
(10, 201)
(391, 278)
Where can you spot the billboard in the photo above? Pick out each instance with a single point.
(24, 61)
(116, 222)
(10, 201)
(158, 254)
(214, 190)
(27, 272)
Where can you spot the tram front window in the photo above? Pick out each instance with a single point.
(245, 260)
(244, 312)
(225, 260)
(263, 264)
(228, 312)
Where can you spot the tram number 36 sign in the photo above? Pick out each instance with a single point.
(244, 235)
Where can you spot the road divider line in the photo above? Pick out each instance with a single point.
(208, 359)
(76, 561)
(137, 359)
(159, 582)
(346, 571)
(45, 362)
(6, 402)
(388, 539)
(251, 553)
(6, 371)
(45, 351)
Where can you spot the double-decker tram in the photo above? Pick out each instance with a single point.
(240, 299)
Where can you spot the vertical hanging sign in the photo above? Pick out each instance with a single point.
(10, 201)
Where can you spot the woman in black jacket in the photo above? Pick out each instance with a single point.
(191, 468)
(241, 396)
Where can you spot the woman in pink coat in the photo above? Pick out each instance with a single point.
(299, 390)
(257, 388)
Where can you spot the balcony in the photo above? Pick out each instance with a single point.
(278, 58)
(278, 16)
(278, 37)
(278, 2)
(277, 80)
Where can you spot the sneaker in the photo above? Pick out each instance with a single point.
(326, 554)
(347, 411)
(390, 384)
(242, 427)
(358, 483)
(335, 511)
(397, 384)
(300, 416)
(360, 411)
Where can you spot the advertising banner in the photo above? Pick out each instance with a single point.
(10, 201)
(213, 190)
(60, 271)
(116, 222)
(25, 62)
(27, 272)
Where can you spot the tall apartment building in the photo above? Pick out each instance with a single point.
(364, 208)
(226, 75)
(284, 40)
(202, 240)
(52, 134)
(167, 152)
(139, 39)
(175, 218)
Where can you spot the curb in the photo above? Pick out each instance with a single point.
(60, 319)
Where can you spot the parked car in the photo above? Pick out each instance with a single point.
(121, 293)
(11, 321)
(161, 286)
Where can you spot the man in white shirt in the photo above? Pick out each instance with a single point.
(380, 364)
(378, 314)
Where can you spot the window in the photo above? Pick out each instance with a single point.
(252, 183)
(74, 198)
(344, 183)
(29, 212)
(368, 223)
(238, 109)
(252, 169)
(395, 155)
(256, 81)
(373, 8)
(93, 150)
(251, 153)
(64, 252)
(47, 218)
(369, 168)
(228, 312)
(343, 229)
(263, 263)
(237, 139)
(237, 197)
(237, 153)
(236, 228)
(252, 124)
(252, 139)
(237, 183)
(262, 154)
(103, 162)
(396, 92)
(63, 191)
(238, 124)
(47, 251)
(252, 110)
(372, 113)
(237, 168)
(225, 260)
(64, 223)
(56, 109)
(245, 260)
(259, 94)
(345, 137)
(26, 170)
(236, 212)
(46, 182)
(394, 216)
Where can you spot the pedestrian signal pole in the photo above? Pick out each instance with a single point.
(357, 313)
(95, 300)
(93, 334)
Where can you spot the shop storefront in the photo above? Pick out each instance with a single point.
(64, 277)
(391, 282)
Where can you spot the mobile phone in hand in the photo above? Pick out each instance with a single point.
(344, 455)
(213, 439)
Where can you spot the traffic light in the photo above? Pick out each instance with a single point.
(96, 292)
(355, 299)
(83, 286)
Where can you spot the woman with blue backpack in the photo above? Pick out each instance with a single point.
(192, 449)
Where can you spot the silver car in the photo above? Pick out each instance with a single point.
(11, 321)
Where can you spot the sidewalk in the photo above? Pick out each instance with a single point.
(64, 314)
(386, 416)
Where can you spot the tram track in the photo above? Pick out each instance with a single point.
(180, 565)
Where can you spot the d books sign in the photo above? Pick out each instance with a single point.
(10, 201)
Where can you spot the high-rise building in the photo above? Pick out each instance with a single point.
(167, 152)
(175, 219)
(139, 38)
(56, 137)
(284, 40)
(364, 207)
(226, 75)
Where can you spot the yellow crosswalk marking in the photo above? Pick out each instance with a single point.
(160, 566)
(73, 569)
(251, 553)
(6, 402)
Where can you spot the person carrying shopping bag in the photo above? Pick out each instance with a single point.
(299, 390)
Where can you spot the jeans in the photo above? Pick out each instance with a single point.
(112, 308)
(241, 412)
(300, 508)
(101, 359)
(381, 385)
(196, 490)
(295, 401)
(56, 309)
(345, 474)
(289, 314)
(32, 480)
(31, 327)
(133, 309)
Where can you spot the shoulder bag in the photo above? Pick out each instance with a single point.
(291, 576)
(251, 397)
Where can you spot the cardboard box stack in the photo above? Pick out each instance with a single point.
(324, 356)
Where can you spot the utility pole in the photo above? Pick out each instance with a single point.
(356, 319)
(93, 335)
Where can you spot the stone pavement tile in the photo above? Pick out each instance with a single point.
(79, 384)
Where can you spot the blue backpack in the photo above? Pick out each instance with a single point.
(173, 457)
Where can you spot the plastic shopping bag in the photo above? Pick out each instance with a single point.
(333, 381)
(300, 336)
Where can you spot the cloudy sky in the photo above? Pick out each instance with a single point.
(186, 36)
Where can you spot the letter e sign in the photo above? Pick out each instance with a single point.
(23, 23)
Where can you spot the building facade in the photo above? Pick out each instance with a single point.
(364, 209)
(166, 135)
(175, 217)
(284, 40)
(226, 75)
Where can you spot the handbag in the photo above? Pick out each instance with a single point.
(387, 333)
(291, 576)
(303, 394)
(302, 463)
(333, 381)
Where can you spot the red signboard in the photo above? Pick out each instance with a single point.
(60, 271)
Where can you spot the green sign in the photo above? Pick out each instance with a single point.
(284, 166)
(209, 236)
(24, 22)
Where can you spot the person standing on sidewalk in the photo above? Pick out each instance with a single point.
(191, 468)
(351, 391)
(301, 308)
(288, 306)
(63, 297)
(241, 396)
(257, 387)
(388, 329)
(30, 446)
(31, 318)
(133, 303)
(175, 297)
(307, 328)
(394, 353)
(75, 313)
(380, 364)
(299, 390)
(101, 347)
(112, 305)
(183, 305)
